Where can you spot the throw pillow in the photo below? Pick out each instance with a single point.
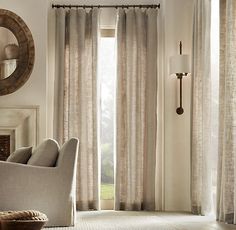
(45, 154)
(21, 155)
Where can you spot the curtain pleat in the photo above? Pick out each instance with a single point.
(201, 153)
(136, 109)
(75, 113)
(226, 189)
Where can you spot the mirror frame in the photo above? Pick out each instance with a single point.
(25, 63)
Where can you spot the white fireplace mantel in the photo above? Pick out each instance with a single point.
(21, 123)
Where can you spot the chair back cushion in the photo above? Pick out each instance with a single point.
(21, 155)
(45, 154)
(68, 152)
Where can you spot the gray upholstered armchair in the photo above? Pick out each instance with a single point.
(50, 190)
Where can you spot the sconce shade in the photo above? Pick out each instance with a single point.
(179, 64)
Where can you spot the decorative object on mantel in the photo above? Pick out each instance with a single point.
(25, 220)
(180, 66)
(11, 51)
(7, 67)
(26, 52)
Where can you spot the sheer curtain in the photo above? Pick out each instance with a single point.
(75, 113)
(226, 190)
(136, 118)
(201, 167)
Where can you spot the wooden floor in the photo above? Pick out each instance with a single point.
(113, 220)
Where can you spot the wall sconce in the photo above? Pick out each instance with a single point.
(180, 66)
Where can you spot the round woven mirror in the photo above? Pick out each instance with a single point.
(17, 52)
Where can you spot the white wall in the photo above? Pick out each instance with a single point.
(178, 23)
(34, 14)
(38, 89)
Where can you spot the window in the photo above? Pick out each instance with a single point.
(107, 73)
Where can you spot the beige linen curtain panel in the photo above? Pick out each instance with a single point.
(226, 190)
(201, 110)
(136, 123)
(75, 113)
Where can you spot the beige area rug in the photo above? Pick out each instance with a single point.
(113, 220)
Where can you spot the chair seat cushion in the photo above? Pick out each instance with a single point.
(21, 155)
(45, 154)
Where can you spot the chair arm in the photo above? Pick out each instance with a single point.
(19, 179)
(12, 171)
(47, 189)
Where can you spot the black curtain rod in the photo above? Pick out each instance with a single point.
(105, 6)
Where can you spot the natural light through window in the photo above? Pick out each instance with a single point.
(215, 94)
(107, 83)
